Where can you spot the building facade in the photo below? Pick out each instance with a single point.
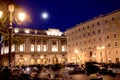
(39, 47)
(97, 39)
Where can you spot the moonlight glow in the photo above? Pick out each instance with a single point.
(44, 15)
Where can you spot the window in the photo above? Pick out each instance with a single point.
(21, 55)
(44, 48)
(76, 44)
(93, 32)
(84, 42)
(54, 46)
(88, 34)
(38, 47)
(76, 37)
(13, 48)
(115, 43)
(22, 47)
(89, 41)
(79, 36)
(113, 19)
(98, 23)
(105, 21)
(87, 26)
(116, 52)
(92, 25)
(114, 35)
(83, 35)
(32, 47)
(108, 44)
(99, 31)
(83, 28)
(107, 36)
(72, 32)
(63, 48)
(99, 38)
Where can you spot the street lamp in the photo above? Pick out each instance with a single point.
(1, 13)
(11, 9)
(21, 16)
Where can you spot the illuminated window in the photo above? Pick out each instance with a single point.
(27, 31)
(32, 47)
(22, 47)
(13, 48)
(44, 48)
(2, 51)
(54, 46)
(6, 50)
(16, 30)
(38, 47)
(63, 48)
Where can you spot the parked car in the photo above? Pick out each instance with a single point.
(96, 76)
(91, 67)
(103, 70)
(71, 67)
(78, 69)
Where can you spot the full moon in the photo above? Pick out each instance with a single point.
(44, 15)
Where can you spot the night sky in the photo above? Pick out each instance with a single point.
(64, 14)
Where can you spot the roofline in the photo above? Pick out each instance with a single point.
(100, 16)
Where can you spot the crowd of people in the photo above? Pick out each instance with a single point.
(35, 73)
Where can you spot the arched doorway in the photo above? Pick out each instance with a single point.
(64, 60)
(39, 61)
(45, 61)
(32, 61)
(55, 60)
(21, 61)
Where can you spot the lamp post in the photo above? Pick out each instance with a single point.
(11, 9)
(21, 17)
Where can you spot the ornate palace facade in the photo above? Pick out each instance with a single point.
(39, 47)
(97, 39)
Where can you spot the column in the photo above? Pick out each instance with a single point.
(59, 45)
(49, 45)
(41, 47)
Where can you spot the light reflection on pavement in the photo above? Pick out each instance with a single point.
(86, 77)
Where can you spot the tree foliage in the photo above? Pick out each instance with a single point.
(4, 21)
